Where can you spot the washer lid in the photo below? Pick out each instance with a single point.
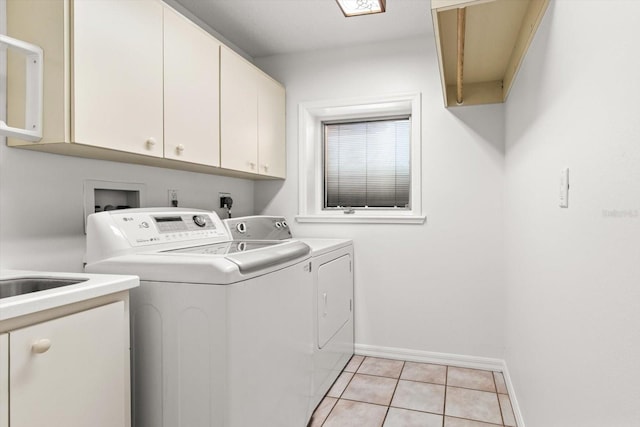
(250, 256)
(224, 248)
(260, 259)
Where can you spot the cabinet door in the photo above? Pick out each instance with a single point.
(238, 113)
(117, 75)
(80, 380)
(271, 128)
(4, 380)
(191, 92)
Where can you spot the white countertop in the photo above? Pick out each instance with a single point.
(93, 286)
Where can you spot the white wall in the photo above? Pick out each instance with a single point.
(41, 197)
(573, 275)
(432, 287)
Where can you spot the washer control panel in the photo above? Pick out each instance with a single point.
(258, 228)
(143, 228)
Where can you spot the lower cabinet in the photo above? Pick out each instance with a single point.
(70, 371)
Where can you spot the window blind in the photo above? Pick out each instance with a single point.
(367, 164)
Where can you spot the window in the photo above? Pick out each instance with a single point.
(367, 164)
(359, 160)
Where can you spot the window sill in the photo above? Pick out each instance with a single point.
(362, 219)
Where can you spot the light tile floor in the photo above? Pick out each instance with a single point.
(375, 392)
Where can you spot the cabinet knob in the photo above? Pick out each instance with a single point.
(151, 142)
(41, 346)
(180, 148)
(252, 165)
(266, 168)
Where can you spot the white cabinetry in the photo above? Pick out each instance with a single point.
(271, 128)
(148, 90)
(70, 369)
(238, 113)
(191, 92)
(127, 115)
(103, 83)
(252, 118)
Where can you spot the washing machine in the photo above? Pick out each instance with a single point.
(332, 296)
(221, 333)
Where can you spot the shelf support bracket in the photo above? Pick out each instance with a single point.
(462, 14)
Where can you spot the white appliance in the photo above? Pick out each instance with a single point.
(221, 330)
(332, 312)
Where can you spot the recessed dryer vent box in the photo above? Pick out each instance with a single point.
(102, 196)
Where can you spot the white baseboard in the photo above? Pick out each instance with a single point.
(512, 395)
(431, 357)
(462, 361)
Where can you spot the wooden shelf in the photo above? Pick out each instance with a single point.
(480, 48)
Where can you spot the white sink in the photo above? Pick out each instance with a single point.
(26, 292)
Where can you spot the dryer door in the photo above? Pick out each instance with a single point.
(334, 297)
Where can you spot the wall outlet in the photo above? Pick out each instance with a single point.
(222, 197)
(173, 198)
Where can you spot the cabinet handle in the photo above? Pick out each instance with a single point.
(180, 148)
(324, 297)
(41, 346)
(150, 143)
(33, 92)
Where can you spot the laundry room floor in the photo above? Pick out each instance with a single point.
(374, 392)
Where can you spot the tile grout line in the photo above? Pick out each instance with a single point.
(332, 408)
(510, 407)
(446, 381)
(495, 385)
(476, 421)
(394, 393)
(343, 390)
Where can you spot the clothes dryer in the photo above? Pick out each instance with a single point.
(332, 300)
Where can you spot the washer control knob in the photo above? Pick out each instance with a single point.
(241, 227)
(278, 225)
(199, 220)
(284, 224)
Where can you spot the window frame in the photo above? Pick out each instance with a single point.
(311, 118)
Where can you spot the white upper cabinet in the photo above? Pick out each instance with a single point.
(271, 128)
(134, 81)
(117, 75)
(102, 75)
(238, 113)
(252, 137)
(191, 92)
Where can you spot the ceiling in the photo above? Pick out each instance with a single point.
(270, 27)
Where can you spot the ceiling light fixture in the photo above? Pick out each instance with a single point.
(361, 7)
